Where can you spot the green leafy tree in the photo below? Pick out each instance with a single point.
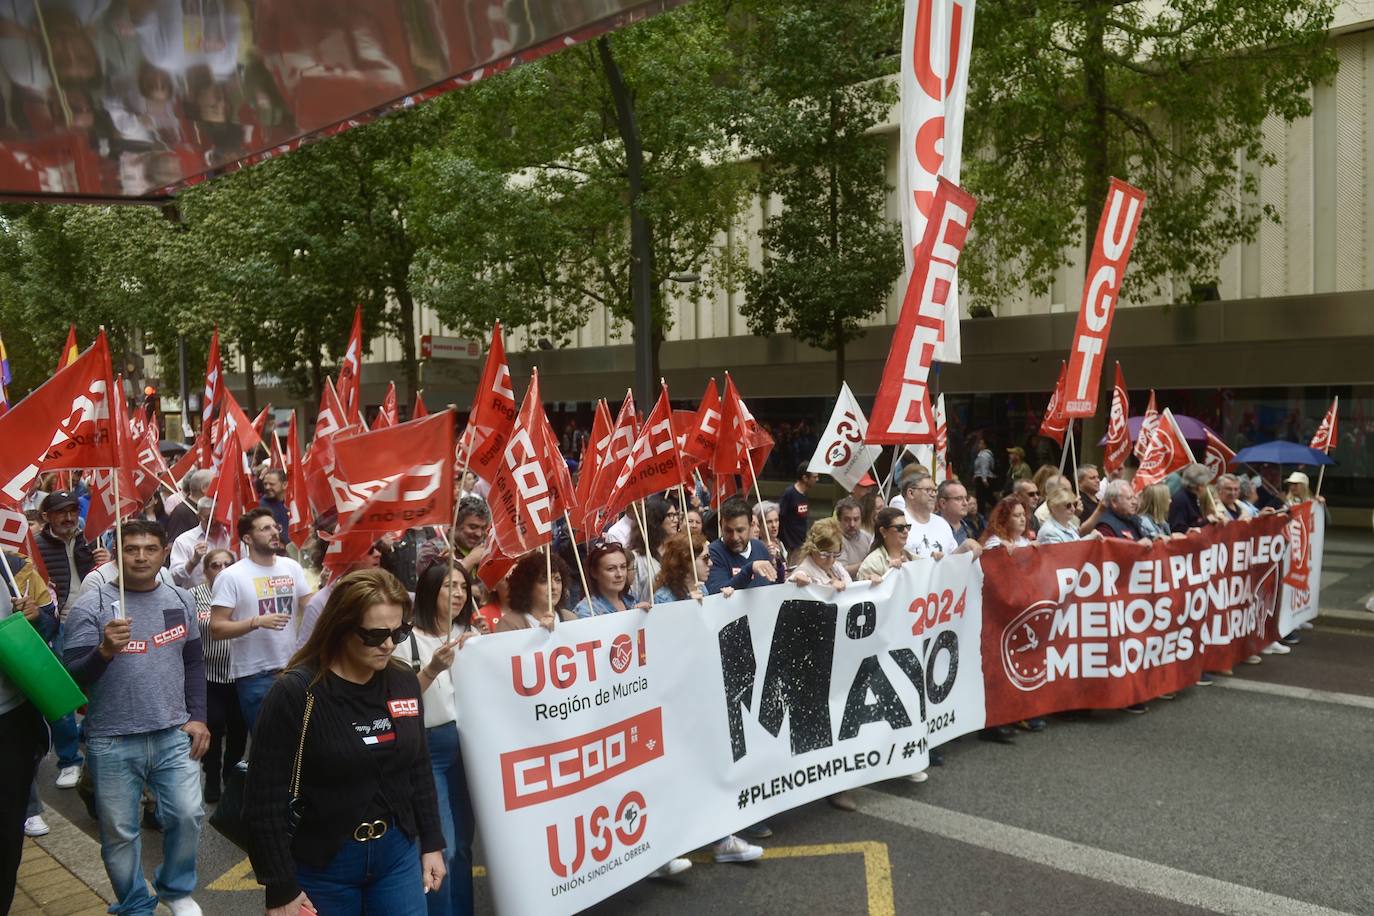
(529, 206)
(816, 89)
(1170, 96)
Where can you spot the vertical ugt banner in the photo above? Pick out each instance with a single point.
(901, 410)
(1111, 252)
(937, 38)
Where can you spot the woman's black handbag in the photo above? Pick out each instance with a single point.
(228, 817)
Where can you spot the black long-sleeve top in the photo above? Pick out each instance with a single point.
(344, 778)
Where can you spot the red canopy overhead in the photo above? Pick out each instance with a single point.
(131, 100)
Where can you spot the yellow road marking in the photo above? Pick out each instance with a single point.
(240, 878)
(877, 867)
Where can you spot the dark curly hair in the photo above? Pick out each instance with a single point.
(529, 572)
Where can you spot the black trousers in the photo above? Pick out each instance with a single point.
(23, 742)
(228, 734)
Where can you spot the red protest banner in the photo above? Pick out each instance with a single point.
(1111, 252)
(1118, 446)
(902, 411)
(395, 477)
(1056, 424)
(531, 488)
(1104, 624)
(493, 411)
(66, 423)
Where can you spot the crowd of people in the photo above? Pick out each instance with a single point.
(211, 656)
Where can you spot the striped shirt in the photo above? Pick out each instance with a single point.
(216, 650)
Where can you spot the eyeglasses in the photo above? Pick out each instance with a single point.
(673, 514)
(827, 554)
(902, 528)
(220, 565)
(924, 489)
(374, 638)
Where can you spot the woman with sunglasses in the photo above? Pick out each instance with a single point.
(444, 622)
(228, 733)
(608, 571)
(820, 557)
(664, 520)
(356, 827)
(535, 598)
(889, 545)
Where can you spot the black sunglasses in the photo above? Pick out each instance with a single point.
(896, 527)
(374, 638)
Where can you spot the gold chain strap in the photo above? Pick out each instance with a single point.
(300, 750)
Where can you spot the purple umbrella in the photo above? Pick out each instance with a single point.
(1194, 430)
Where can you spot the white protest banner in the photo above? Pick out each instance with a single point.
(842, 453)
(1111, 253)
(597, 752)
(1306, 532)
(937, 39)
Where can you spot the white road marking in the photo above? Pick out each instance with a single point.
(1087, 861)
(1298, 693)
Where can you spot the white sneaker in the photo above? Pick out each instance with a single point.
(733, 849)
(36, 826)
(1276, 648)
(919, 777)
(68, 777)
(1253, 660)
(670, 868)
(183, 906)
(1305, 625)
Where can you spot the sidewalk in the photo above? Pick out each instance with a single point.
(61, 873)
(1348, 578)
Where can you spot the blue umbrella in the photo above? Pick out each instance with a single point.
(1281, 451)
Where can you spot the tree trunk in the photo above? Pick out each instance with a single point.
(837, 317)
(412, 365)
(641, 231)
(316, 377)
(250, 378)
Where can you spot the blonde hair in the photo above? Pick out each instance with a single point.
(1060, 496)
(1154, 502)
(343, 614)
(825, 536)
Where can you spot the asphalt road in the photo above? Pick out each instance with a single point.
(1249, 797)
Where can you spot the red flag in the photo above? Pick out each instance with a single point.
(233, 419)
(66, 423)
(733, 438)
(495, 564)
(531, 487)
(345, 550)
(1327, 436)
(652, 464)
(105, 510)
(1056, 424)
(213, 379)
(227, 492)
(1167, 451)
(902, 411)
(17, 537)
(396, 477)
(419, 410)
(388, 415)
(300, 523)
(260, 423)
(699, 445)
(329, 422)
(611, 453)
(1147, 428)
(1111, 253)
(1218, 456)
(493, 410)
(1118, 446)
(760, 441)
(275, 456)
(185, 464)
(150, 470)
(350, 385)
(584, 513)
(70, 351)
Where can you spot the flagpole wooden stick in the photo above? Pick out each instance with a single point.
(1321, 473)
(9, 574)
(763, 522)
(119, 543)
(581, 571)
(641, 517)
(548, 581)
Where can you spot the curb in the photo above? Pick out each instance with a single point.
(76, 852)
(1345, 620)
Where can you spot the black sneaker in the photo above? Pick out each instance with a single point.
(1002, 734)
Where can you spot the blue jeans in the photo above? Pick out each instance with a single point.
(251, 690)
(378, 878)
(454, 897)
(65, 734)
(120, 768)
